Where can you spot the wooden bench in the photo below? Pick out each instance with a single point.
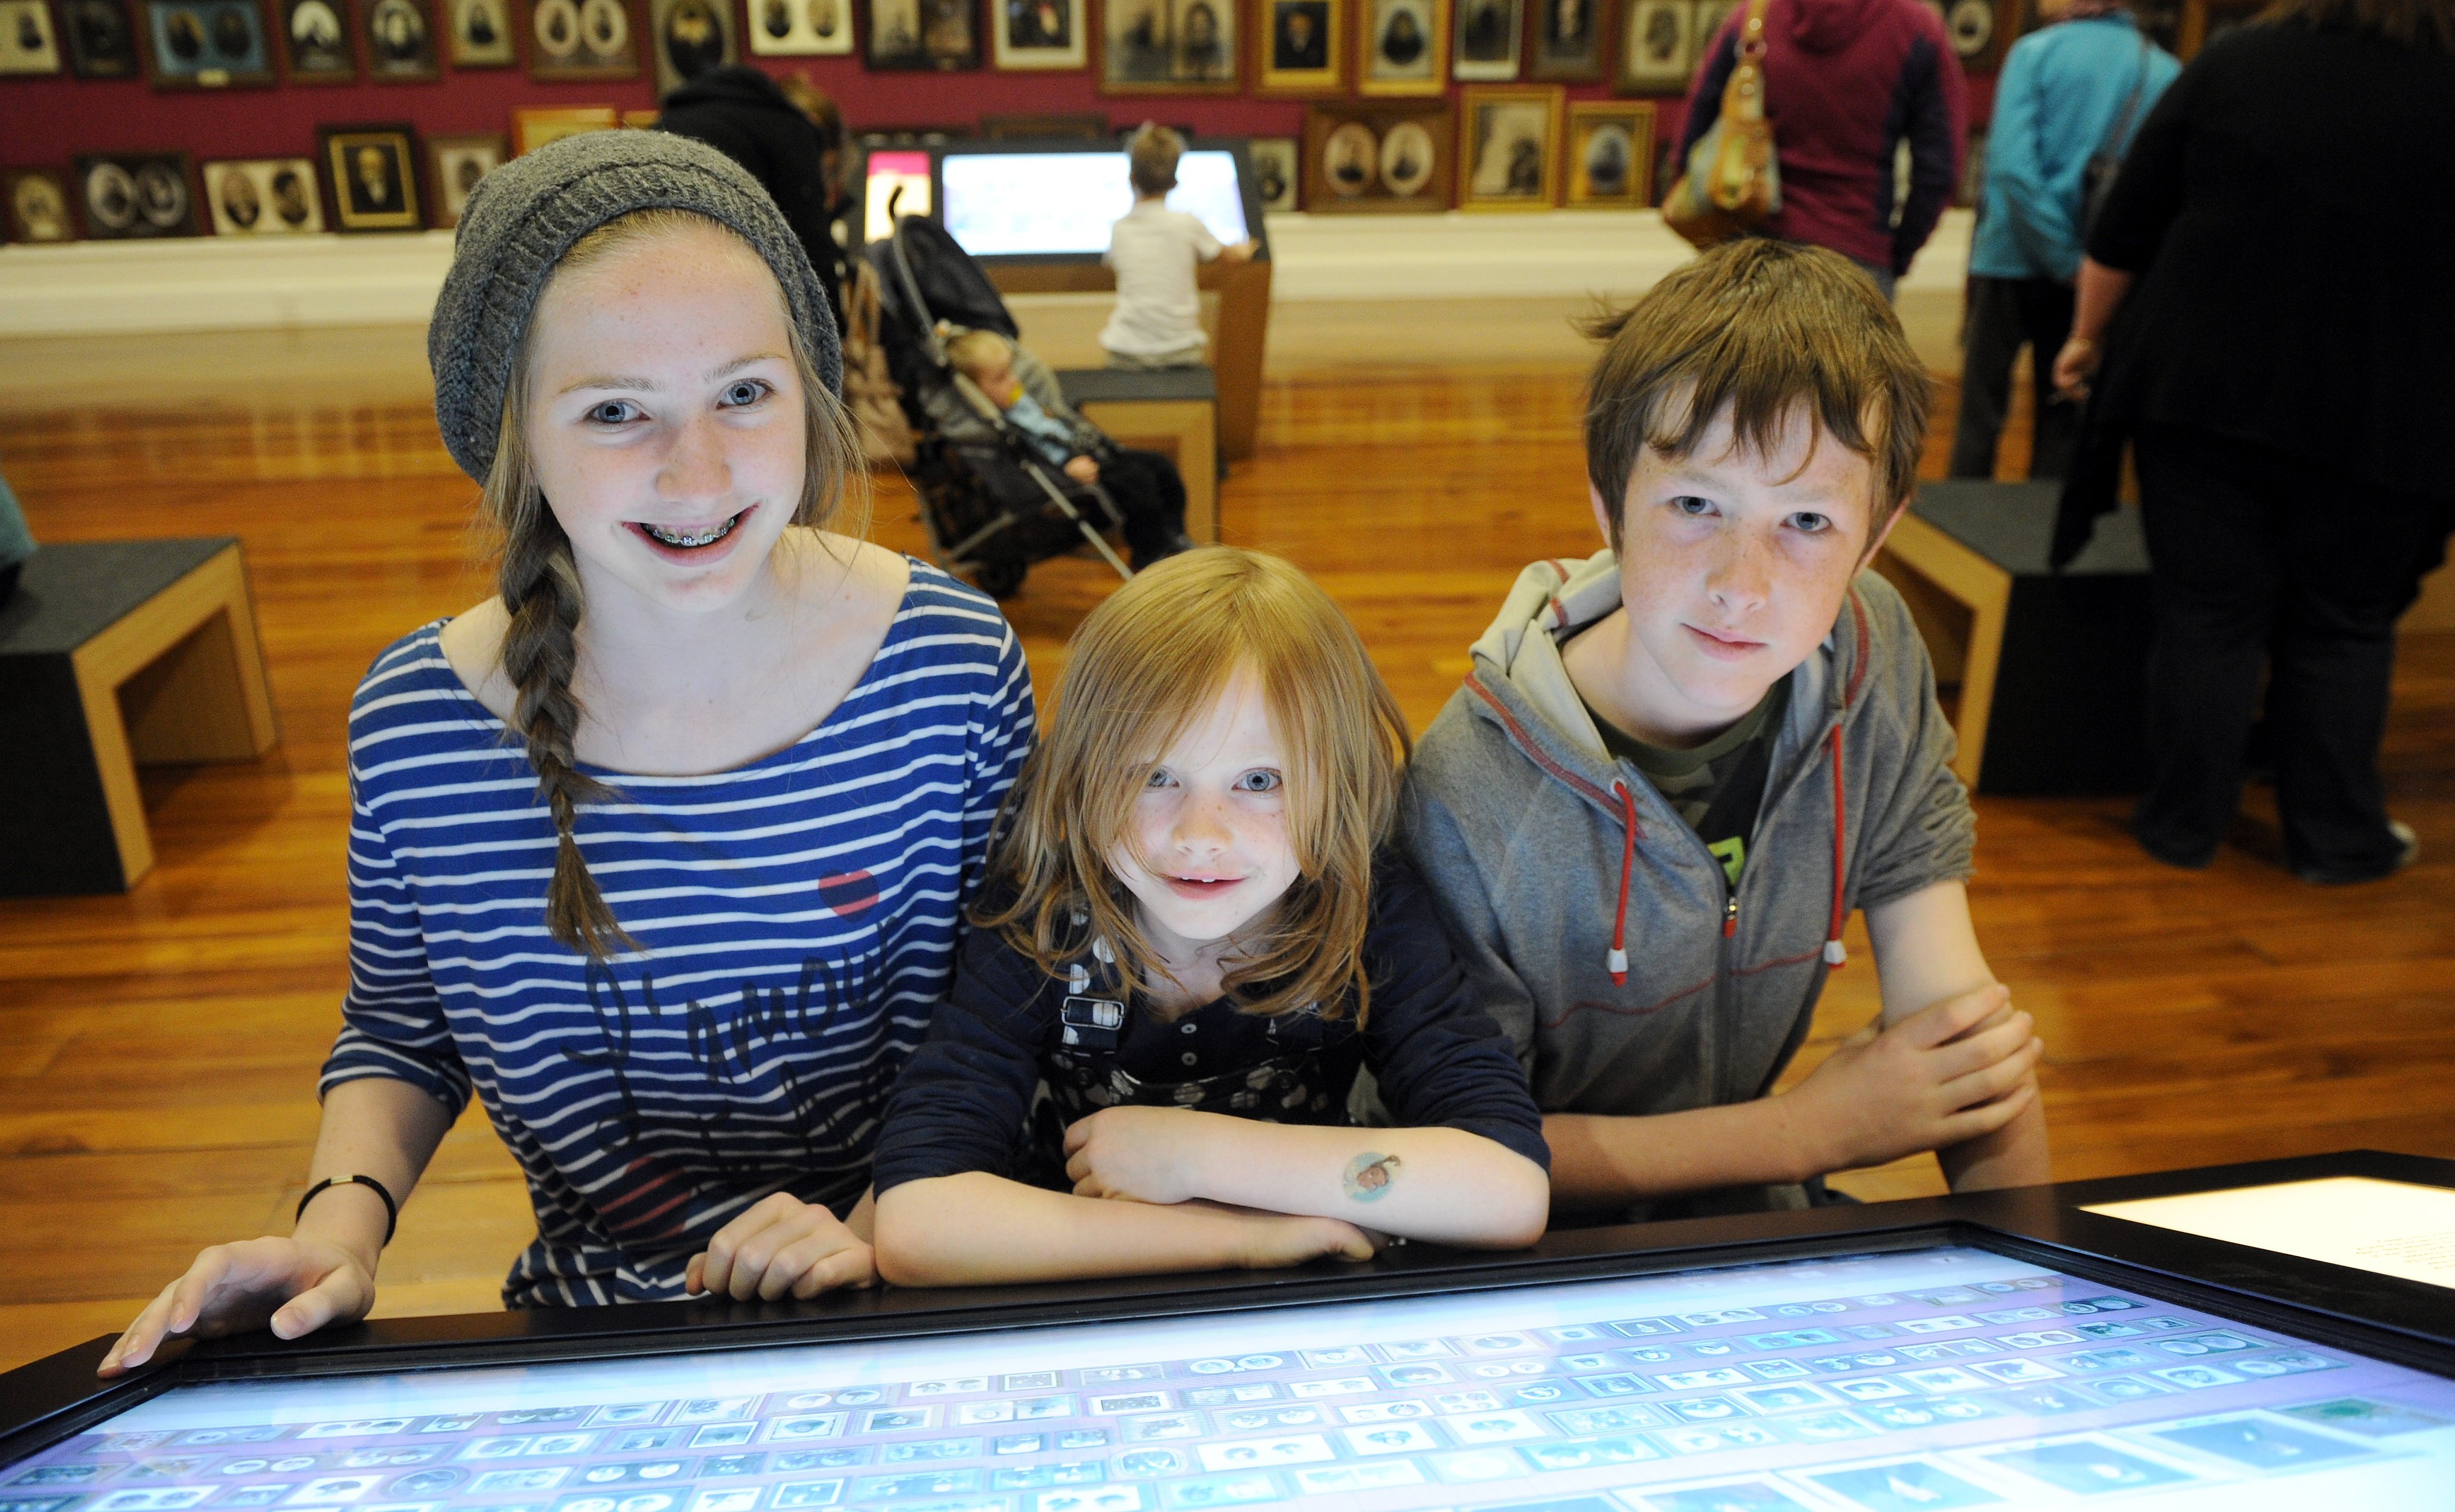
(115, 654)
(2042, 673)
(1171, 410)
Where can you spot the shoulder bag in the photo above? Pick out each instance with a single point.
(1732, 182)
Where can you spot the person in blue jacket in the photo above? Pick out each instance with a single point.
(2076, 88)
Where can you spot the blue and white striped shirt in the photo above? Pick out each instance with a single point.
(798, 919)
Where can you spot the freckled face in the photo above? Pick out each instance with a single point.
(666, 418)
(1733, 567)
(1211, 827)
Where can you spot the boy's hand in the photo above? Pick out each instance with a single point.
(294, 1286)
(1082, 469)
(1141, 1154)
(1940, 1076)
(782, 1247)
(1277, 1242)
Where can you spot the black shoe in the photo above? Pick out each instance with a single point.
(2408, 851)
(1175, 545)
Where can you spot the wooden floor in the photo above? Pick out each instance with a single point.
(157, 1049)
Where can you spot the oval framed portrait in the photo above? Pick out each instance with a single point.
(1351, 159)
(1407, 158)
(556, 26)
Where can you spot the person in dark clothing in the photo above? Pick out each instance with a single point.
(1846, 82)
(747, 116)
(2277, 239)
(1198, 933)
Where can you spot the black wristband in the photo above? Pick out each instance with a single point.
(391, 1209)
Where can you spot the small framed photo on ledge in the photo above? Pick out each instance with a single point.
(135, 196)
(1610, 154)
(1375, 158)
(371, 171)
(273, 196)
(205, 44)
(534, 125)
(454, 166)
(800, 29)
(39, 204)
(1277, 179)
(1509, 147)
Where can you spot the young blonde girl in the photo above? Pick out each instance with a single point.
(1196, 933)
(659, 852)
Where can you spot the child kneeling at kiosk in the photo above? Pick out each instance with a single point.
(1196, 933)
(1678, 765)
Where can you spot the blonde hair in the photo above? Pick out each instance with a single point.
(1150, 158)
(973, 351)
(539, 582)
(1146, 666)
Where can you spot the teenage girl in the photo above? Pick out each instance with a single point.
(661, 852)
(1196, 933)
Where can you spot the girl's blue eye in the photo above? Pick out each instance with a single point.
(1811, 523)
(746, 391)
(612, 411)
(1258, 783)
(1159, 779)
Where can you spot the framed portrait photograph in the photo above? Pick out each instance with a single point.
(29, 46)
(314, 41)
(266, 196)
(39, 204)
(1277, 179)
(371, 171)
(1169, 46)
(1486, 41)
(1564, 40)
(204, 44)
(130, 196)
(1610, 154)
(101, 44)
(581, 40)
(534, 126)
(1032, 34)
(692, 37)
(1709, 16)
(800, 29)
(454, 166)
(1509, 147)
(481, 33)
(1657, 47)
(400, 41)
(1402, 47)
(1982, 30)
(937, 34)
(1367, 157)
(1302, 46)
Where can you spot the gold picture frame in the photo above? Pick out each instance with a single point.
(1402, 47)
(1300, 47)
(1610, 163)
(1509, 147)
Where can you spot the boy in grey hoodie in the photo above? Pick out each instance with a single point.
(1677, 765)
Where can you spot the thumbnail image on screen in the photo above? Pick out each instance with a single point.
(887, 172)
(1942, 1378)
(1026, 204)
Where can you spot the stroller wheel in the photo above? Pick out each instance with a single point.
(1000, 578)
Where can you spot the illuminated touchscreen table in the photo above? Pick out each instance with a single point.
(1941, 1377)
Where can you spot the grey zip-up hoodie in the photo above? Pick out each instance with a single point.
(1597, 928)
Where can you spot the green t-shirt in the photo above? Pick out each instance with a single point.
(1717, 787)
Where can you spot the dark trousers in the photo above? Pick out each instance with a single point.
(1150, 495)
(2005, 313)
(2258, 558)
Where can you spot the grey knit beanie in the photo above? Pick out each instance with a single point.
(525, 216)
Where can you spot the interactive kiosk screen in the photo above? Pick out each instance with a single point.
(1041, 204)
(1936, 1378)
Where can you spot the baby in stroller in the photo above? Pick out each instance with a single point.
(997, 377)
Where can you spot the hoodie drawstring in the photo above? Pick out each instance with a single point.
(1618, 961)
(1836, 955)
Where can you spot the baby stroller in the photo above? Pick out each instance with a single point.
(992, 509)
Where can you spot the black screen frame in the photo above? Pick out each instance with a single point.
(2404, 1322)
(1236, 147)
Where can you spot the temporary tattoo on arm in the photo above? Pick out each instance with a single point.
(1370, 1175)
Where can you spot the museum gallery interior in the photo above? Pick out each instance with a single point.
(539, 973)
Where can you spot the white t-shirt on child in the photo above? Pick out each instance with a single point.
(1153, 249)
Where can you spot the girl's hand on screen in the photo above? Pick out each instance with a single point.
(1141, 1154)
(292, 1286)
(781, 1247)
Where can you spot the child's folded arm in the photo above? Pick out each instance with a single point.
(978, 1229)
(962, 1100)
